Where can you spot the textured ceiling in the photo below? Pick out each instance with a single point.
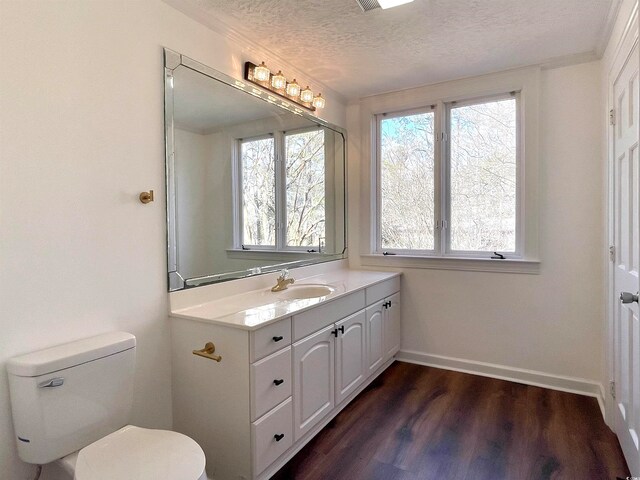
(427, 41)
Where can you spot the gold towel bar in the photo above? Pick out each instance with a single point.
(208, 352)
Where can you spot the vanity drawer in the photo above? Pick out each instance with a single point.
(319, 317)
(383, 289)
(270, 339)
(270, 382)
(271, 436)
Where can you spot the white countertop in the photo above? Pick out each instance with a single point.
(254, 309)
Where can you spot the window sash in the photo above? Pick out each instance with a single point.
(447, 245)
(239, 184)
(285, 204)
(442, 186)
(378, 180)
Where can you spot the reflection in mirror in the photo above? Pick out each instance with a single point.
(252, 187)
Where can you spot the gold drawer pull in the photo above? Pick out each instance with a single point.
(208, 352)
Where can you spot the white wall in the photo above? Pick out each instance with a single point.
(551, 322)
(192, 207)
(81, 135)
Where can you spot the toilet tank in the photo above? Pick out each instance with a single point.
(67, 397)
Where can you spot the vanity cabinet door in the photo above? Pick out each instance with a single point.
(375, 336)
(351, 354)
(391, 326)
(313, 371)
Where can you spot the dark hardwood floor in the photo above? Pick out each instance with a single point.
(421, 423)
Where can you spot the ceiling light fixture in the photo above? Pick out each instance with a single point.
(278, 85)
(384, 4)
(368, 5)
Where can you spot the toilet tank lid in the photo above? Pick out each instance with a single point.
(70, 354)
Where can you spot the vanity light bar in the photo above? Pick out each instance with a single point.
(279, 85)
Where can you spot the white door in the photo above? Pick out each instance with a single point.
(375, 334)
(392, 326)
(625, 223)
(313, 382)
(351, 354)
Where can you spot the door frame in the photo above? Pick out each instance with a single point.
(628, 40)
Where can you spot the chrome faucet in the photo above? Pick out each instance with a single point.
(283, 281)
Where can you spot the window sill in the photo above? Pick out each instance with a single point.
(531, 267)
(259, 254)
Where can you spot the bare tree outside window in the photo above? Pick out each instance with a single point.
(258, 192)
(305, 180)
(483, 177)
(407, 182)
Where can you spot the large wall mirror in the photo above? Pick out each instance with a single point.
(254, 183)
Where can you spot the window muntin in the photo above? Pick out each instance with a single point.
(257, 159)
(483, 176)
(476, 181)
(407, 181)
(305, 188)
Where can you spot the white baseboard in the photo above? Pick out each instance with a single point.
(580, 386)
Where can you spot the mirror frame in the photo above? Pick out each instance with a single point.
(173, 60)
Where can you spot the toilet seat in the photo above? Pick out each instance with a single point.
(134, 453)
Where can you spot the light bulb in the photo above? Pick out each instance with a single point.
(318, 102)
(293, 89)
(306, 95)
(261, 73)
(278, 81)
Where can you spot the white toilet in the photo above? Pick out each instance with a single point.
(71, 405)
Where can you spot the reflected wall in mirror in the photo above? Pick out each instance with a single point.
(254, 183)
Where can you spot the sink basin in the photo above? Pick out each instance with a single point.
(299, 292)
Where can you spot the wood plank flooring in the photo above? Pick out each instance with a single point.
(421, 423)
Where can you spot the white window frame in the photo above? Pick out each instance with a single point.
(279, 137)
(442, 184)
(362, 129)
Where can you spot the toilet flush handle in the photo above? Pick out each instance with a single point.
(51, 383)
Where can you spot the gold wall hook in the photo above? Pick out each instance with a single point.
(146, 197)
(208, 352)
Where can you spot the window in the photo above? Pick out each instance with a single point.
(407, 174)
(258, 192)
(282, 191)
(449, 179)
(304, 159)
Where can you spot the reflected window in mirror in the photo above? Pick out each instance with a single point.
(257, 157)
(305, 180)
(283, 191)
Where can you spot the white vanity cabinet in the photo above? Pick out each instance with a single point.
(277, 385)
